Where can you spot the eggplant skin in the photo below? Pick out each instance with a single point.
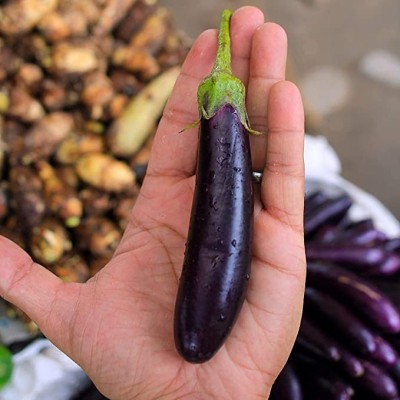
(216, 266)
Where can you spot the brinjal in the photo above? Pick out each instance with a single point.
(287, 385)
(361, 233)
(314, 200)
(338, 318)
(331, 210)
(313, 340)
(388, 267)
(377, 383)
(321, 381)
(216, 266)
(358, 293)
(385, 354)
(352, 255)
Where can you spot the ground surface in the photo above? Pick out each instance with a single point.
(357, 112)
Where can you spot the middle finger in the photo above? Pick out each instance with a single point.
(267, 67)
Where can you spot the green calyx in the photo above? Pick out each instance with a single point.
(221, 86)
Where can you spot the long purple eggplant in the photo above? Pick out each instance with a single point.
(216, 266)
(388, 267)
(331, 388)
(314, 200)
(332, 210)
(341, 321)
(321, 381)
(392, 245)
(358, 293)
(361, 233)
(377, 383)
(385, 354)
(287, 386)
(313, 340)
(352, 255)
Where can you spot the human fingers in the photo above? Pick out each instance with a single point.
(267, 67)
(36, 291)
(244, 23)
(282, 186)
(174, 152)
(276, 286)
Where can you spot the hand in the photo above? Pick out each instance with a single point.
(119, 325)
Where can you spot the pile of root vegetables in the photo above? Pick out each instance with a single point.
(348, 344)
(82, 87)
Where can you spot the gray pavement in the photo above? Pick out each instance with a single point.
(358, 112)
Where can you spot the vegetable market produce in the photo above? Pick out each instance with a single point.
(217, 260)
(349, 340)
(82, 87)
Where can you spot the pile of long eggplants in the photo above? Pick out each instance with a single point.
(348, 344)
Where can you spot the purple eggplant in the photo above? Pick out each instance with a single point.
(351, 255)
(320, 381)
(357, 293)
(362, 233)
(287, 385)
(338, 318)
(331, 388)
(316, 342)
(326, 234)
(314, 200)
(331, 210)
(385, 354)
(376, 383)
(313, 340)
(388, 267)
(216, 266)
(392, 245)
(394, 371)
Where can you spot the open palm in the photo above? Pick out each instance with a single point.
(119, 325)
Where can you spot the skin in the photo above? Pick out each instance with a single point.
(119, 325)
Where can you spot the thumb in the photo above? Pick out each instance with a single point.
(45, 298)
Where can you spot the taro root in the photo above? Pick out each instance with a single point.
(24, 107)
(68, 114)
(75, 146)
(112, 13)
(128, 133)
(53, 95)
(61, 200)
(72, 18)
(42, 139)
(105, 172)
(68, 176)
(99, 236)
(74, 58)
(27, 196)
(49, 242)
(96, 202)
(29, 76)
(19, 16)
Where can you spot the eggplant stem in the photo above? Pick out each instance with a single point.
(221, 87)
(223, 58)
